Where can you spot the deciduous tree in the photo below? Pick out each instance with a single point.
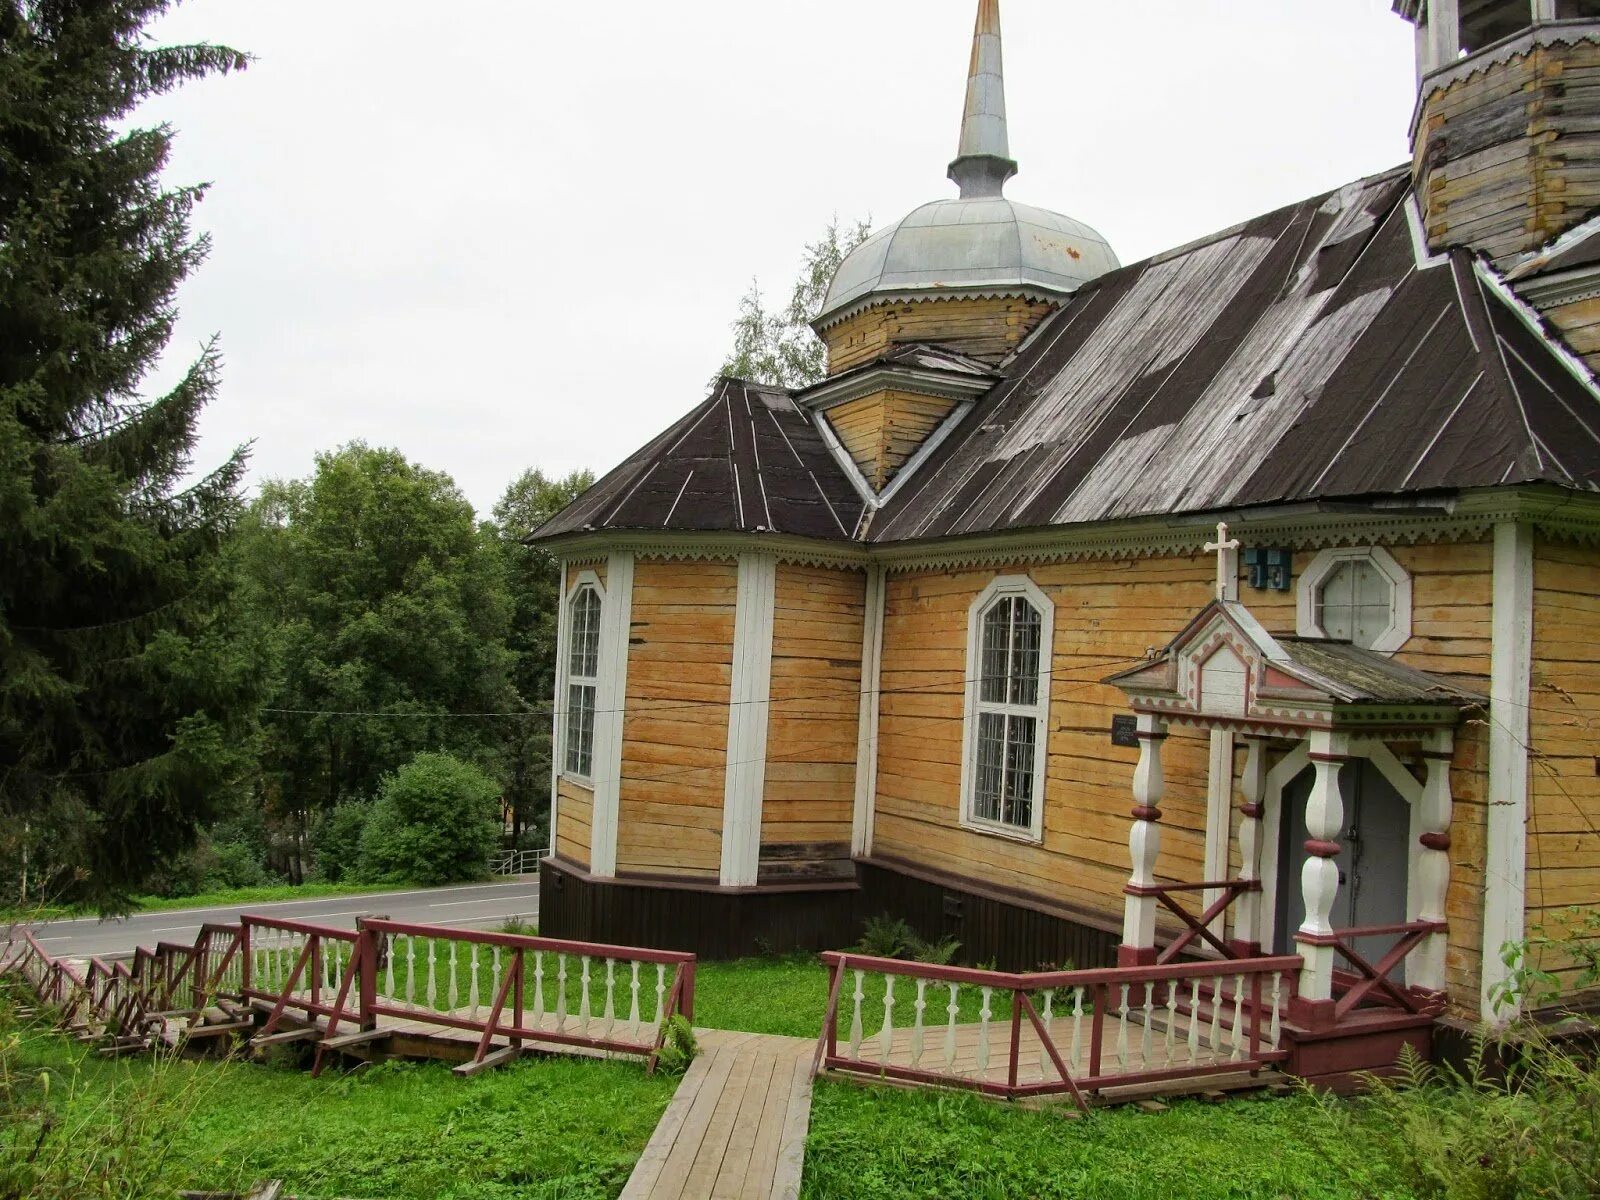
(778, 346)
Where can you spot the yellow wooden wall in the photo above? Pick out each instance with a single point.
(574, 821)
(1564, 734)
(885, 429)
(1107, 614)
(809, 798)
(984, 328)
(675, 724)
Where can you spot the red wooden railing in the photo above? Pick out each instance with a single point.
(1072, 1032)
(373, 980)
(392, 984)
(1199, 927)
(1369, 984)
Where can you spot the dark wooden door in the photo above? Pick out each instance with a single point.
(1373, 861)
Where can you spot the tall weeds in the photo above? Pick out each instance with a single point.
(62, 1140)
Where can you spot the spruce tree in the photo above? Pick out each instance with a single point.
(123, 693)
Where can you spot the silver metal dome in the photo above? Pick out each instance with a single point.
(981, 243)
(972, 247)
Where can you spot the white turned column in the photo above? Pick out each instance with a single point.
(1431, 862)
(1144, 847)
(1252, 793)
(1319, 879)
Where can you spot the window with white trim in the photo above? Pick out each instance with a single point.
(583, 678)
(1007, 706)
(1360, 595)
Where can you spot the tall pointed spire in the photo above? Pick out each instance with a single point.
(984, 162)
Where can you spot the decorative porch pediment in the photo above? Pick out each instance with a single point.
(1226, 671)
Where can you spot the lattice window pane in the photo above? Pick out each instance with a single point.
(1355, 603)
(580, 728)
(1026, 629)
(989, 782)
(996, 653)
(583, 659)
(1018, 807)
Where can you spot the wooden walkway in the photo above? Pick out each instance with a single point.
(736, 1129)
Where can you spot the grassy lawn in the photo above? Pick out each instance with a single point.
(542, 1128)
(876, 1143)
(790, 996)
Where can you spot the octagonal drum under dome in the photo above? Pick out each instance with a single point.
(966, 247)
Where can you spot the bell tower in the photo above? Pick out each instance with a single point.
(1506, 134)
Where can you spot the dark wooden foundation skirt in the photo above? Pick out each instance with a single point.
(1011, 931)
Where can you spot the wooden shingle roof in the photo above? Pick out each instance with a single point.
(748, 459)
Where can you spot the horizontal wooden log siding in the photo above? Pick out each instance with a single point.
(1107, 614)
(986, 328)
(809, 796)
(1506, 157)
(574, 821)
(1563, 787)
(675, 727)
(1579, 323)
(883, 430)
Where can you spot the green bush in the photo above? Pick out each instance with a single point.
(337, 840)
(436, 820)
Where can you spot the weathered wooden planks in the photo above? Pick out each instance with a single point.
(1563, 866)
(675, 727)
(986, 328)
(736, 1128)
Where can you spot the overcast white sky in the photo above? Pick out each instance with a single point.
(509, 233)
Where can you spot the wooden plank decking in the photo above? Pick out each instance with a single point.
(736, 1130)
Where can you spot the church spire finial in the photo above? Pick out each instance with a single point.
(984, 161)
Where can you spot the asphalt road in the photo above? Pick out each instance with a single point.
(476, 905)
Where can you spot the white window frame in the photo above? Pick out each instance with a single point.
(1398, 631)
(584, 580)
(1005, 587)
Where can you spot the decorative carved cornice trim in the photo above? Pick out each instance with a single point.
(935, 295)
(1469, 517)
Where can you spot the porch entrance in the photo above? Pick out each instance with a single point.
(1373, 859)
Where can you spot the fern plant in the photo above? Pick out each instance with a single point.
(678, 1047)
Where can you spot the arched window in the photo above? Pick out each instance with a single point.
(1008, 699)
(583, 677)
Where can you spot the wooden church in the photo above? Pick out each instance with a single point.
(1249, 593)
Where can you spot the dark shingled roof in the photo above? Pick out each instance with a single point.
(747, 459)
(1305, 355)
(1362, 676)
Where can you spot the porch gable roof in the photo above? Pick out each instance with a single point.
(1226, 670)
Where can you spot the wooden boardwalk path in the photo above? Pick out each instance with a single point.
(736, 1129)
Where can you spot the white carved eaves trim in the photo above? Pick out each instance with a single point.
(1530, 317)
(719, 547)
(1468, 517)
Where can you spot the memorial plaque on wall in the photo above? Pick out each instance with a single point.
(1125, 731)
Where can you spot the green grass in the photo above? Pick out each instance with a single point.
(550, 1129)
(876, 1143)
(790, 996)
